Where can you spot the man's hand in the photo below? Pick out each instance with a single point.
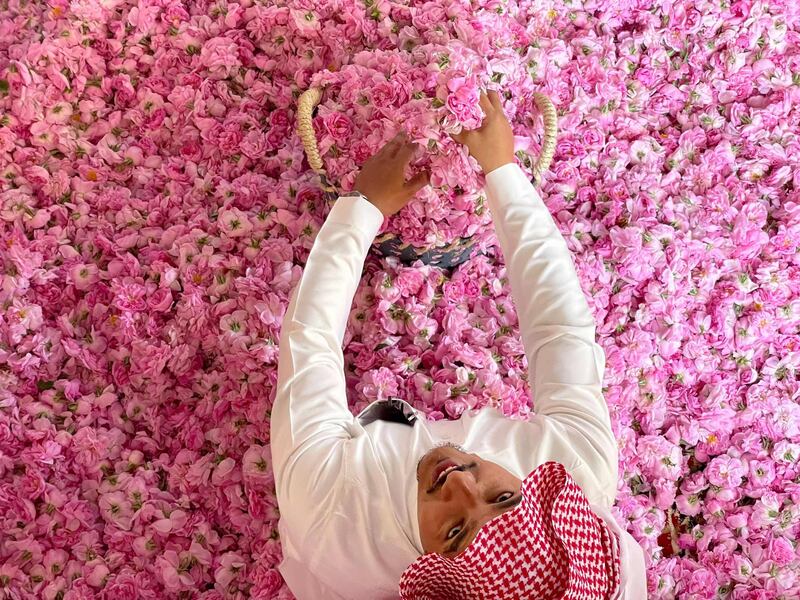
(492, 144)
(382, 177)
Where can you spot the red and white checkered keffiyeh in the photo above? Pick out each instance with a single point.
(552, 545)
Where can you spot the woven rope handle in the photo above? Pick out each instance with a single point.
(550, 118)
(305, 108)
(311, 97)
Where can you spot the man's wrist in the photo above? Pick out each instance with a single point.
(372, 201)
(356, 194)
(494, 165)
(352, 209)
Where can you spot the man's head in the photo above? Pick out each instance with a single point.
(551, 545)
(457, 494)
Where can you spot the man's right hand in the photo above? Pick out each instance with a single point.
(492, 144)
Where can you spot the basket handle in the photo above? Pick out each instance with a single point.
(311, 97)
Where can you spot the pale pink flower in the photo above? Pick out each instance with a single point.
(173, 574)
(257, 463)
(234, 223)
(220, 55)
(782, 551)
(463, 101)
(123, 586)
(232, 565)
(116, 509)
(234, 324)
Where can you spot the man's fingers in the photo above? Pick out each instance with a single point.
(419, 181)
(403, 148)
(486, 103)
(406, 151)
(393, 145)
(459, 137)
(494, 98)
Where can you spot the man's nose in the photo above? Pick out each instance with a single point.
(461, 485)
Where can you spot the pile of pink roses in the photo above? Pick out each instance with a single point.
(156, 211)
(429, 91)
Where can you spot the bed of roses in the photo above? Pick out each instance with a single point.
(156, 212)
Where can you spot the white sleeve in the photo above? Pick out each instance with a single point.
(556, 324)
(310, 419)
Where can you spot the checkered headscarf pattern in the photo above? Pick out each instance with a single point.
(549, 546)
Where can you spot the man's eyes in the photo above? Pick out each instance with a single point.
(457, 529)
(451, 535)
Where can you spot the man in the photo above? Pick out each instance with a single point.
(368, 500)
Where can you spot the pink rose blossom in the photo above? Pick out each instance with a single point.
(257, 463)
(235, 223)
(782, 551)
(220, 56)
(725, 471)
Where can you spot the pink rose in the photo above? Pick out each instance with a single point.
(701, 583)
(365, 360)
(275, 138)
(116, 509)
(121, 587)
(646, 76)
(191, 150)
(155, 119)
(254, 145)
(175, 14)
(83, 276)
(587, 194)
(234, 223)
(618, 191)
(80, 589)
(430, 16)
(32, 485)
(455, 408)
(229, 137)
(129, 295)
(379, 384)
(726, 471)
(660, 458)
(266, 584)
(220, 55)
(55, 560)
(592, 138)
(420, 325)
(781, 551)
(571, 148)
(124, 93)
(257, 464)
(339, 126)
(463, 101)
(229, 569)
(160, 300)
(383, 94)
(280, 119)
(409, 281)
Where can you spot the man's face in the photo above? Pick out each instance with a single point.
(454, 503)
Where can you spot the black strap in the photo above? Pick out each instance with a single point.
(391, 410)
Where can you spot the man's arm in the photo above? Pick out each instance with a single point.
(310, 420)
(556, 324)
(311, 403)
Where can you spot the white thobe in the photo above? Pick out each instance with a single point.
(347, 492)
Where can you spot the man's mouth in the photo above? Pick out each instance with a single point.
(442, 470)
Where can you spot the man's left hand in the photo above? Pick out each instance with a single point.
(382, 176)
